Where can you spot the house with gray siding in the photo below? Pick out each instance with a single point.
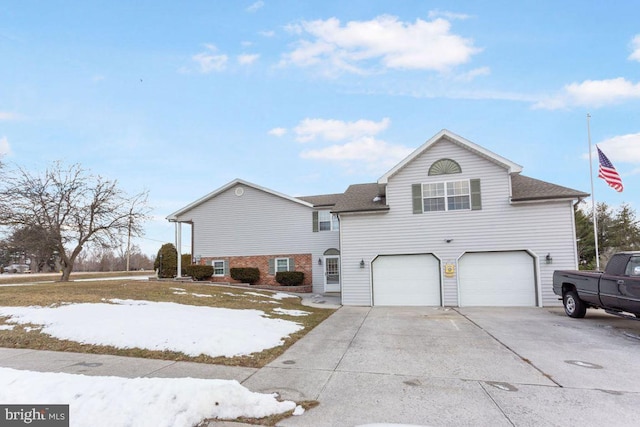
(245, 225)
(453, 224)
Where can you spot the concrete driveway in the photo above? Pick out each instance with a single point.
(469, 366)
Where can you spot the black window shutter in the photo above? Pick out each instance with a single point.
(315, 221)
(416, 195)
(476, 199)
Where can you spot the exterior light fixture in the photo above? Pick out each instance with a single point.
(362, 263)
(319, 261)
(548, 258)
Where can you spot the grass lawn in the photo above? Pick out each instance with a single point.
(100, 291)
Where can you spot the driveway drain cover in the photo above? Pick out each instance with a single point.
(583, 364)
(289, 362)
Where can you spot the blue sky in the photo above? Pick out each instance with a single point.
(179, 98)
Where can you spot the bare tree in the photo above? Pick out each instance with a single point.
(75, 207)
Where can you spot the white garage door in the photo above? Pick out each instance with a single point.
(406, 280)
(497, 279)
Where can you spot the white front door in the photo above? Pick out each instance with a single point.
(332, 273)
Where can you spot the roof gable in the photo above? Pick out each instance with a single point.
(174, 216)
(510, 166)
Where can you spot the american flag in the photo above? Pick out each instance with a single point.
(608, 172)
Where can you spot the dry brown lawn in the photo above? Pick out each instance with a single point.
(55, 293)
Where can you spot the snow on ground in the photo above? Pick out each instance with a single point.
(256, 294)
(281, 295)
(159, 326)
(278, 295)
(157, 402)
(201, 295)
(291, 312)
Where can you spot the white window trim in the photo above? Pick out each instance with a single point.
(213, 264)
(446, 195)
(334, 225)
(275, 266)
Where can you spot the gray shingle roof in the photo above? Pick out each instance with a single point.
(322, 200)
(360, 198)
(524, 188)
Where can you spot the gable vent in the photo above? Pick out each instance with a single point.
(444, 167)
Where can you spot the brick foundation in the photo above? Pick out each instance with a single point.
(261, 262)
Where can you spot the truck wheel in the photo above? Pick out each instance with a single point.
(573, 306)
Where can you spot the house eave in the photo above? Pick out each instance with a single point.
(355, 211)
(542, 199)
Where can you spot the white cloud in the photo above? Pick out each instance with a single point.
(209, 61)
(622, 148)
(635, 47)
(247, 59)
(4, 146)
(6, 116)
(267, 33)
(337, 130)
(592, 93)
(393, 44)
(356, 149)
(470, 75)
(448, 15)
(277, 132)
(255, 6)
(378, 155)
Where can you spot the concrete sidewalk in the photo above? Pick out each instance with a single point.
(426, 366)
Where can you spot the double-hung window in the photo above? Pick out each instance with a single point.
(218, 267)
(282, 264)
(325, 221)
(447, 196)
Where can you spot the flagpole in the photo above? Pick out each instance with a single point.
(593, 197)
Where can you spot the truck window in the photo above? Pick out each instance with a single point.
(633, 267)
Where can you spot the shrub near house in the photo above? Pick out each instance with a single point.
(199, 272)
(290, 278)
(248, 275)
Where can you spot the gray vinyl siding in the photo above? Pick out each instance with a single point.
(539, 228)
(258, 223)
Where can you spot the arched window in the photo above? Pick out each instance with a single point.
(444, 167)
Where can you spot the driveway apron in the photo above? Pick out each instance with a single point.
(437, 366)
(411, 365)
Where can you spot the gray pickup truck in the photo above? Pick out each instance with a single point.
(617, 290)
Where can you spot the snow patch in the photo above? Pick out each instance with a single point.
(157, 402)
(291, 312)
(159, 326)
